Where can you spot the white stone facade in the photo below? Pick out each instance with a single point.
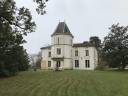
(63, 54)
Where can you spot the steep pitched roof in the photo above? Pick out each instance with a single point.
(46, 47)
(62, 29)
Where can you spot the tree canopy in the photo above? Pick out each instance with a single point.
(14, 24)
(41, 4)
(115, 46)
(95, 41)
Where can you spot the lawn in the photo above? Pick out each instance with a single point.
(66, 83)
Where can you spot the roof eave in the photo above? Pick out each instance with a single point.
(62, 34)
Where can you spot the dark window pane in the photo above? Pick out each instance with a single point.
(49, 54)
(87, 63)
(76, 63)
(87, 52)
(49, 63)
(58, 51)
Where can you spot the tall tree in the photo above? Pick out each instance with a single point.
(14, 24)
(115, 46)
(95, 41)
(39, 58)
(23, 60)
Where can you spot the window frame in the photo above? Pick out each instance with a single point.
(58, 51)
(58, 64)
(86, 52)
(58, 40)
(76, 52)
(49, 63)
(49, 54)
(87, 63)
(77, 64)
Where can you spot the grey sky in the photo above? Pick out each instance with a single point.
(84, 18)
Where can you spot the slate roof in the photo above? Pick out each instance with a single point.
(84, 44)
(62, 29)
(46, 47)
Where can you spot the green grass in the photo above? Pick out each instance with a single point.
(66, 83)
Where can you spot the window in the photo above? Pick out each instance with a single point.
(87, 52)
(58, 64)
(49, 54)
(58, 51)
(76, 52)
(87, 63)
(49, 63)
(58, 40)
(76, 63)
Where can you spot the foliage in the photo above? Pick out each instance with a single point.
(35, 60)
(23, 60)
(101, 66)
(115, 47)
(14, 24)
(41, 6)
(38, 62)
(95, 41)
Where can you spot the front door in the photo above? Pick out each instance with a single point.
(58, 64)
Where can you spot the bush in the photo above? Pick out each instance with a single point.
(6, 73)
(101, 67)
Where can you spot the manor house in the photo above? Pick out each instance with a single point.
(64, 54)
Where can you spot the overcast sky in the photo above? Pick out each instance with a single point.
(84, 18)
